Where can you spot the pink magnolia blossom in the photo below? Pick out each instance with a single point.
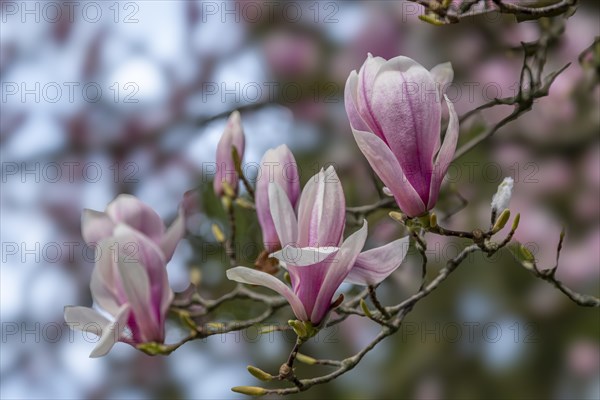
(233, 136)
(394, 107)
(277, 165)
(127, 209)
(129, 283)
(314, 252)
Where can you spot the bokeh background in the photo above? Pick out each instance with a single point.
(102, 98)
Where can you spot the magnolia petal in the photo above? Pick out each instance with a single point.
(366, 77)
(253, 277)
(136, 285)
(85, 319)
(284, 217)
(111, 333)
(131, 211)
(321, 212)
(389, 171)
(303, 256)
(233, 136)
(350, 101)
(95, 226)
(443, 75)
(405, 104)
(169, 241)
(373, 266)
(339, 267)
(279, 166)
(445, 155)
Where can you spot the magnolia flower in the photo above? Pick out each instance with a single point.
(314, 252)
(277, 165)
(395, 113)
(233, 136)
(130, 287)
(128, 210)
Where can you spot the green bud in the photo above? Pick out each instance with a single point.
(187, 320)
(287, 278)
(431, 19)
(433, 220)
(298, 327)
(515, 224)
(303, 358)
(218, 233)
(229, 193)
(240, 201)
(250, 390)
(397, 216)
(501, 221)
(303, 329)
(260, 374)
(365, 308)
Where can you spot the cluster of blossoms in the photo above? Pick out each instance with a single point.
(395, 111)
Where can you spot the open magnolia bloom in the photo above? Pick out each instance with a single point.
(395, 109)
(129, 210)
(314, 252)
(130, 288)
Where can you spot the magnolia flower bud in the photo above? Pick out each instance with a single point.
(501, 199)
(226, 179)
(260, 374)
(250, 390)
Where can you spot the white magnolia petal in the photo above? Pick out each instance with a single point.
(373, 266)
(254, 277)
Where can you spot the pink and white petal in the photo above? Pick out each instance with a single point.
(84, 319)
(254, 277)
(339, 267)
(350, 102)
(136, 285)
(95, 226)
(443, 75)
(406, 106)
(283, 214)
(385, 165)
(303, 256)
(445, 155)
(175, 232)
(130, 210)
(366, 78)
(111, 333)
(321, 214)
(373, 266)
(104, 295)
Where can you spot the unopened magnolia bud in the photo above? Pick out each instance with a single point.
(240, 201)
(250, 390)
(195, 276)
(287, 278)
(303, 358)
(501, 221)
(501, 199)
(260, 374)
(398, 216)
(218, 233)
(365, 308)
(515, 223)
(433, 220)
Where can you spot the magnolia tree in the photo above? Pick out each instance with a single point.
(396, 112)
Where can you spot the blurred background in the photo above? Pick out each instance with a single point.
(102, 98)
